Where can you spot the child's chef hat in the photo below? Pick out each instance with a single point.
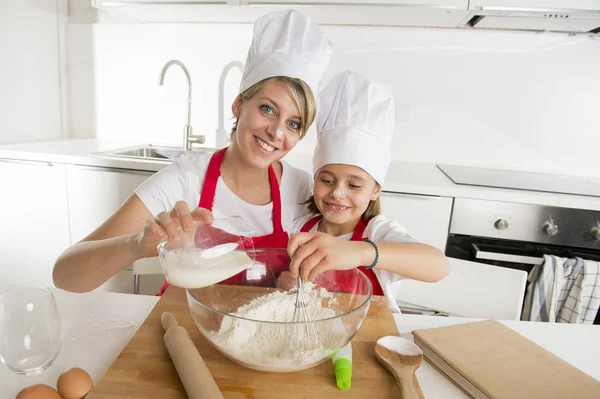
(287, 43)
(355, 124)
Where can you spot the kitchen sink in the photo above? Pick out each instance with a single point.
(145, 152)
(149, 152)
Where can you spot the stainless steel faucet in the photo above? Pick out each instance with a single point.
(221, 132)
(188, 137)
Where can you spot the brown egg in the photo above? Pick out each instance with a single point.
(74, 383)
(38, 391)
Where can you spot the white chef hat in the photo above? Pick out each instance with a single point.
(355, 124)
(287, 43)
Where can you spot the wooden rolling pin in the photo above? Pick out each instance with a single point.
(194, 375)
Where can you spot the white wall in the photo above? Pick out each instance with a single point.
(31, 69)
(513, 100)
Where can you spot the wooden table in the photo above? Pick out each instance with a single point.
(144, 370)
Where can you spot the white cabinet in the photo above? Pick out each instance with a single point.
(94, 194)
(427, 218)
(441, 13)
(35, 222)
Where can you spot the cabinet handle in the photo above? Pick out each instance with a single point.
(26, 162)
(113, 169)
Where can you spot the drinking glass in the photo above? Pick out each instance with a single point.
(30, 329)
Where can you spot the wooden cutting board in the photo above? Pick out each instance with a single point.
(144, 369)
(487, 359)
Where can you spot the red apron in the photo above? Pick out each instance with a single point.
(356, 236)
(277, 239)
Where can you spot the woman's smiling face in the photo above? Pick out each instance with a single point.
(268, 124)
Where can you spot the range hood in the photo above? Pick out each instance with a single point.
(538, 15)
(572, 16)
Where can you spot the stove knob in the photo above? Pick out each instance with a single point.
(550, 229)
(595, 233)
(501, 224)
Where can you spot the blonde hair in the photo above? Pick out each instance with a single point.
(374, 208)
(303, 96)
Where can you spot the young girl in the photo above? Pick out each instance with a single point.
(355, 123)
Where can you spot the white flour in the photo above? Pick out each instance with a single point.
(266, 346)
(400, 345)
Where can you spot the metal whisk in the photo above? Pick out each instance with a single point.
(304, 335)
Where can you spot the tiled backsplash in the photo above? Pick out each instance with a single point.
(502, 99)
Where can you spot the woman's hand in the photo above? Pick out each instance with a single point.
(180, 216)
(166, 224)
(316, 252)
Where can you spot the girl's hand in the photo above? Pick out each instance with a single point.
(166, 224)
(285, 281)
(316, 252)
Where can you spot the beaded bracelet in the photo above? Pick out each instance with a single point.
(376, 255)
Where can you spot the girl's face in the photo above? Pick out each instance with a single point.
(343, 192)
(269, 125)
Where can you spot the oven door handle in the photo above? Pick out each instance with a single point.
(529, 260)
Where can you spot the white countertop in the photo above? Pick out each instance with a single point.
(98, 325)
(403, 177)
(77, 151)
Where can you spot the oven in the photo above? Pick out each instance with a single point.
(517, 236)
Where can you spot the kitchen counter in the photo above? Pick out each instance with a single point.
(403, 177)
(79, 152)
(98, 325)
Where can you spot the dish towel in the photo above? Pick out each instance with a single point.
(563, 290)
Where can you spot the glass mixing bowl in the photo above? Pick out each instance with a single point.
(249, 319)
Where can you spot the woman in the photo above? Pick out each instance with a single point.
(273, 111)
(355, 125)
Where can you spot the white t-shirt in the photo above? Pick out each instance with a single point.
(183, 180)
(379, 229)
